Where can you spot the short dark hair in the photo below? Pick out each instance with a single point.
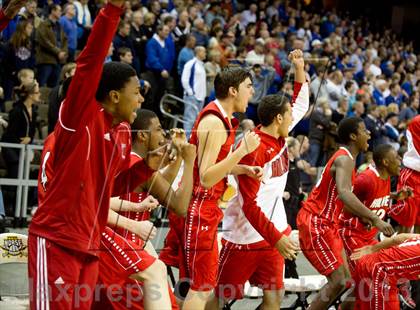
(380, 152)
(270, 106)
(142, 121)
(347, 127)
(123, 50)
(114, 77)
(53, 7)
(371, 108)
(168, 19)
(230, 76)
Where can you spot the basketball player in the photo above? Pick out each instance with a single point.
(148, 136)
(131, 248)
(381, 266)
(410, 176)
(318, 218)
(255, 224)
(373, 188)
(92, 147)
(214, 135)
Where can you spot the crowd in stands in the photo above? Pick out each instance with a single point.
(178, 46)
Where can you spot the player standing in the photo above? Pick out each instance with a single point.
(92, 147)
(214, 136)
(255, 224)
(318, 218)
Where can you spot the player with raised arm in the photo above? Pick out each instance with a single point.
(91, 157)
(318, 218)
(214, 135)
(255, 224)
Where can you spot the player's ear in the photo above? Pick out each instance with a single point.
(142, 135)
(353, 136)
(233, 91)
(114, 96)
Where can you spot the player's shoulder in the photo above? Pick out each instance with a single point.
(211, 122)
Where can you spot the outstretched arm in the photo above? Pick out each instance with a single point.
(387, 243)
(80, 103)
(343, 174)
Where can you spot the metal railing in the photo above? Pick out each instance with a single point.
(22, 182)
(168, 100)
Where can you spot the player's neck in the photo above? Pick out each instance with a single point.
(139, 150)
(353, 149)
(227, 105)
(271, 130)
(383, 173)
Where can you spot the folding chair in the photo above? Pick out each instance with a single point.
(14, 293)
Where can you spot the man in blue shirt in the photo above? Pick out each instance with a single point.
(69, 26)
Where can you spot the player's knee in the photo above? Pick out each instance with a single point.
(155, 272)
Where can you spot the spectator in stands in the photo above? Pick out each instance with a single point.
(358, 109)
(186, 53)
(391, 132)
(56, 94)
(262, 78)
(194, 84)
(29, 14)
(319, 90)
(335, 88)
(149, 26)
(409, 112)
(138, 38)
(341, 112)
(125, 55)
(200, 32)
(212, 67)
(69, 26)
(84, 20)
(123, 39)
(378, 92)
(22, 124)
(159, 62)
(256, 56)
(320, 123)
(375, 126)
(395, 96)
(249, 16)
(51, 49)
(19, 54)
(183, 27)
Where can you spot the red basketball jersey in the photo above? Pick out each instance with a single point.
(374, 192)
(231, 125)
(323, 201)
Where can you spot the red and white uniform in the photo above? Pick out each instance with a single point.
(255, 218)
(318, 221)
(410, 175)
(91, 157)
(374, 193)
(379, 273)
(200, 261)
